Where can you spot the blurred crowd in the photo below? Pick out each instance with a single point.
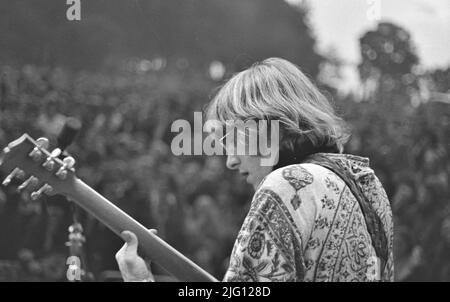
(123, 151)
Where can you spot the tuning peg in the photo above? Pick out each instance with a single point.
(45, 189)
(30, 182)
(56, 152)
(69, 162)
(49, 163)
(43, 142)
(16, 173)
(62, 173)
(36, 154)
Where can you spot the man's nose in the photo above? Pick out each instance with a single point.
(232, 162)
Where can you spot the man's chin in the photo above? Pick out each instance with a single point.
(249, 180)
(252, 182)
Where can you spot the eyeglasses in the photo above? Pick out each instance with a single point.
(240, 142)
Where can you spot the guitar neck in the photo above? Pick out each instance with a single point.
(151, 245)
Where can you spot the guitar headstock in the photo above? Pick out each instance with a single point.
(41, 170)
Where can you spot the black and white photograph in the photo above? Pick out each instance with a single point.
(237, 141)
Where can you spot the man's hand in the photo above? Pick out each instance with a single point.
(132, 267)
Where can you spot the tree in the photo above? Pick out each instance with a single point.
(406, 138)
(185, 32)
(389, 50)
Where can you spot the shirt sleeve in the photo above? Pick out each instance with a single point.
(267, 247)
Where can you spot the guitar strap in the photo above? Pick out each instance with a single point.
(373, 221)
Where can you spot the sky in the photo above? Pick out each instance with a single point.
(339, 24)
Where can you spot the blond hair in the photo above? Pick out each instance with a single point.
(276, 89)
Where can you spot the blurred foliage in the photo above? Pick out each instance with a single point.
(123, 151)
(387, 49)
(235, 32)
(127, 108)
(402, 123)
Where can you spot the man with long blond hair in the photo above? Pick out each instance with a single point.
(317, 214)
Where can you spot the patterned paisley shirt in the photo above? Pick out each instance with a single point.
(305, 224)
